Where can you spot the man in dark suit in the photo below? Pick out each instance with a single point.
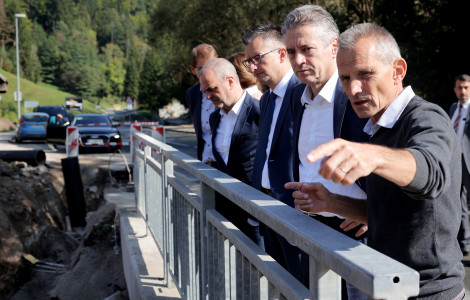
(459, 113)
(267, 60)
(234, 126)
(321, 109)
(200, 107)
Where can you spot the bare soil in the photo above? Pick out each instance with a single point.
(84, 263)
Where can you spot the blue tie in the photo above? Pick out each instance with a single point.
(270, 111)
(266, 128)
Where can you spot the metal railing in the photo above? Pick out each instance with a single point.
(209, 258)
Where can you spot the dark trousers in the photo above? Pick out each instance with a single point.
(463, 235)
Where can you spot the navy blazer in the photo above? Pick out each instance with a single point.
(194, 100)
(281, 153)
(346, 124)
(243, 141)
(466, 135)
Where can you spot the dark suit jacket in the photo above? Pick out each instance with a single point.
(243, 142)
(465, 137)
(194, 100)
(281, 154)
(346, 124)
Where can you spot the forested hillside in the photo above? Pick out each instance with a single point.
(108, 49)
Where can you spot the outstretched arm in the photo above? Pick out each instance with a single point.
(344, 162)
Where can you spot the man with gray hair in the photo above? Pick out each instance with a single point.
(412, 164)
(321, 110)
(234, 126)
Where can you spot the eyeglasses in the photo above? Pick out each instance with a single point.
(256, 59)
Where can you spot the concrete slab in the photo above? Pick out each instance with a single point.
(142, 260)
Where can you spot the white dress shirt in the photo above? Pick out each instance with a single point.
(252, 90)
(280, 91)
(207, 107)
(316, 129)
(225, 130)
(463, 118)
(392, 113)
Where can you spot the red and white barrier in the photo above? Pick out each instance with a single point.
(71, 142)
(135, 127)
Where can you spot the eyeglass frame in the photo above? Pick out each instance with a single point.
(250, 61)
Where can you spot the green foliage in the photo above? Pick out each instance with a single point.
(99, 48)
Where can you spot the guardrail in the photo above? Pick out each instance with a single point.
(209, 258)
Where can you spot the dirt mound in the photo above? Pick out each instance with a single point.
(6, 125)
(82, 264)
(30, 210)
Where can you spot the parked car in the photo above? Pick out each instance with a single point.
(32, 127)
(54, 110)
(96, 131)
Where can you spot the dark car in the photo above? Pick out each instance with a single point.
(96, 131)
(32, 127)
(54, 110)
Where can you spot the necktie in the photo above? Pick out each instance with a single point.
(457, 120)
(266, 128)
(270, 111)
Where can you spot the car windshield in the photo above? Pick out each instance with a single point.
(91, 120)
(35, 118)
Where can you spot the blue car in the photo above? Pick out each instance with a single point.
(32, 127)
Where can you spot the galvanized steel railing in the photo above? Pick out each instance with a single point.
(209, 258)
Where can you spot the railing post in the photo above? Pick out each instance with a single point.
(167, 170)
(324, 283)
(147, 151)
(207, 202)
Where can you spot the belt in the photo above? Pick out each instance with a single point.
(267, 191)
(212, 163)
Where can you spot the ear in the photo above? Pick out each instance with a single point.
(399, 69)
(230, 80)
(334, 46)
(283, 54)
(192, 70)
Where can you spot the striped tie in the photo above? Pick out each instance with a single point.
(457, 120)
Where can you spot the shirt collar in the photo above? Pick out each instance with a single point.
(236, 108)
(327, 93)
(466, 104)
(392, 113)
(281, 87)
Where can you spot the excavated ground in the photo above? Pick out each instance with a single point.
(40, 257)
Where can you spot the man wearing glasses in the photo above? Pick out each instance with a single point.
(200, 107)
(267, 60)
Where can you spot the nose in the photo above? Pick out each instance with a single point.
(298, 59)
(355, 86)
(253, 68)
(208, 95)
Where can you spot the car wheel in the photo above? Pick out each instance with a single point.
(19, 141)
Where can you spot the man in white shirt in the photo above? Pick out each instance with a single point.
(200, 107)
(459, 118)
(234, 126)
(321, 110)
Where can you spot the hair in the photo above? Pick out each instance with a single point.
(269, 32)
(315, 16)
(205, 51)
(221, 67)
(461, 77)
(386, 46)
(247, 78)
